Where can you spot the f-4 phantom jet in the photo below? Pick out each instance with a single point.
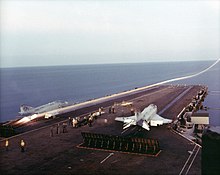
(148, 117)
(28, 110)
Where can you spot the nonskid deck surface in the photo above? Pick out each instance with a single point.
(59, 154)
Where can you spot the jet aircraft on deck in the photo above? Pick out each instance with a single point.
(28, 110)
(148, 117)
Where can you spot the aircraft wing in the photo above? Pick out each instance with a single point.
(125, 119)
(158, 120)
(128, 121)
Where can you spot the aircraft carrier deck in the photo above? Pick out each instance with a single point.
(61, 154)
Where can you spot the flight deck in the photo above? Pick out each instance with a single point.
(54, 146)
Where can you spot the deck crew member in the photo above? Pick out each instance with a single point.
(74, 122)
(70, 121)
(90, 120)
(64, 127)
(22, 144)
(6, 144)
(58, 128)
(113, 109)
(110, 110)
(100, 111)
(132, 111)
(51, 131)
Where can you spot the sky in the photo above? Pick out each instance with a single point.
(68, 32)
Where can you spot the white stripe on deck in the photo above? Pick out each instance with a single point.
(111, 154)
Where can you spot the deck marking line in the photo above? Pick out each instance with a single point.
(107, 157)
(187, 161)
(125, 130)
(192, 160)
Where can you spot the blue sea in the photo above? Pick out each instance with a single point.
(36, 86)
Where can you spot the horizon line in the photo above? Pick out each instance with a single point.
(113, 63)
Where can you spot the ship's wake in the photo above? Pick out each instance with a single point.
(187, 77)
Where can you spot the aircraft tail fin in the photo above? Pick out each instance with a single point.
(24, 109)
(145, 126)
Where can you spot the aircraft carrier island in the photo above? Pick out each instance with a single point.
(135, 132)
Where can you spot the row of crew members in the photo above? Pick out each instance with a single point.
(22, 145)
(77, 122)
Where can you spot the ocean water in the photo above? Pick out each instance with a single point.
(36, 86)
